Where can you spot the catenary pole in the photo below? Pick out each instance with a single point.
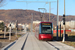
(32, 23)
(41, 2)
(49, 10)
(64, 24)
(57, 17)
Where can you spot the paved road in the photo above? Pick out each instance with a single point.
(29, 42)
(34, 44)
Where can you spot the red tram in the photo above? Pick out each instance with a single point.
(44, 31)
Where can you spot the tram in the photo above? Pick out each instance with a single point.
(44, 31)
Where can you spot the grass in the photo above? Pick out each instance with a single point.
(70, 43)
(70, 40)
(19, 36)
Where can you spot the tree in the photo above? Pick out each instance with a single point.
(2, 26)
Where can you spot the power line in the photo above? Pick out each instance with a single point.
(37, 1)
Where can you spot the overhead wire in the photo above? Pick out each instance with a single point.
(26, 5)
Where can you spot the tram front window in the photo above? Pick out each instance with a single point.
(46, 29)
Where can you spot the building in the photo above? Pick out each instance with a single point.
(72, 24)
(36, 22)
(23, 25)
(68, 24)
(13, 25)
(1, 21)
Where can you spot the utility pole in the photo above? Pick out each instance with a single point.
(25, 28)
(32, 23)
(10, 32)
(49, 10)
(60, 29)
(57, 17)
(40, 14)
(41, 17)
(16, 28)
(4, 31)
(64, 24)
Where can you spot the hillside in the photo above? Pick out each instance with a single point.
(24, 16)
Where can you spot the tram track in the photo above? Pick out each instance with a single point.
(43, 43)
(52, 45)
(24, 42)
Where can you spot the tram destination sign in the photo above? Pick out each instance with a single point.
(46, 23)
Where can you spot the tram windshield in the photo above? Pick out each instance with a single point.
(46, 28)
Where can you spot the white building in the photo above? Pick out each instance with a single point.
(70, 24)
(36, 22)
(1, 21)
(23, 25)
(13, 25)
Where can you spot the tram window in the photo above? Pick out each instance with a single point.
(46, 29)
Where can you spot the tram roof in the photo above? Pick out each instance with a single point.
(45, 22)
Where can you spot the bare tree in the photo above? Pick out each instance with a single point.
(3, 2)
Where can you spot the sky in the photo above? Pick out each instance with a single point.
(14, 4)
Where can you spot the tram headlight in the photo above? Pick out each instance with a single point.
(41, 36)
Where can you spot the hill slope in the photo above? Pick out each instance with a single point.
(24, 16)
